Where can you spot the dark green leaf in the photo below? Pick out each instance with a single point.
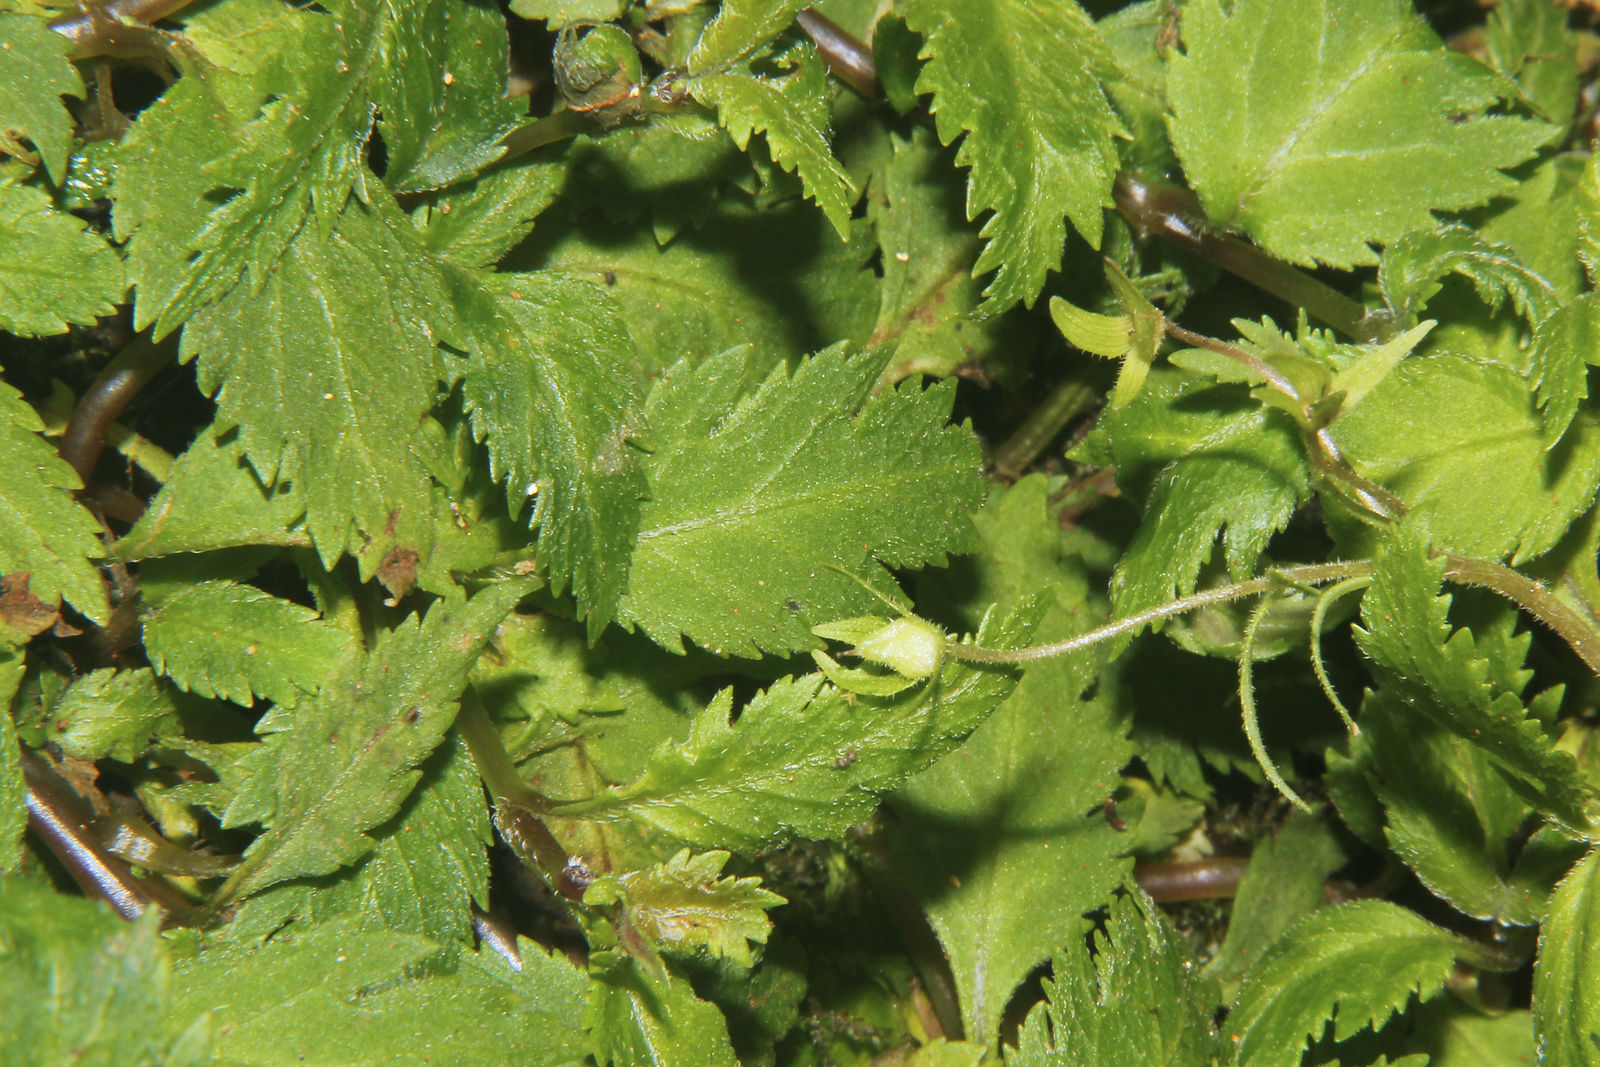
(1566, 981)
(741, 27)
(803, 759)
(53, 271)
(640, 1018)
(35, 68)
(1022, 81)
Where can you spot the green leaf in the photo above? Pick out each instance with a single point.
(13, 790)
(1133, 1002)
(212, 500)
(1442, 675)
(568, 10)
(741, 27)
(476, 224)
(1564, 345)
(1205, 461)
(783, 279)
(1354, 966)
(338, 996)
(1423, 434)
(35, 67)
(1022, 81)
(46, 534)
(53, 269)
(1588, 197)
(1134, 337)
(802, 759)
(640, 1018)
(220, 639)
(1529, 40)
(927, 250)
(1455, 1035)
(1566, 980)
(1413, 270)
(336, 766)
(993, 840)
(753, 500)
(1295, 122)
(429, 867)
(792, 111)
(1283, 884)
(82, 985)
(114, 713)
(684, 905)
(547, 385)
(329, 375)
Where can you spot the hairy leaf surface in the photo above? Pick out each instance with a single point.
(1022, 81)
(1322, 128)
(53, 271)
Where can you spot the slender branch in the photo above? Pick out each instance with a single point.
(1069, 400)
(106, 399)
(848, 58)
(1310, 574)
(1207, 879)
(1255, 363)
(1567, 622)
(1174, 214)
(1247, 706)
(113, 27)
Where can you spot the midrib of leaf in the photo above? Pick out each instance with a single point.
(796, 501)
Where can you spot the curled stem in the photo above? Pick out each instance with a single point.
(106, 399)
(1319, 617)
(1247, 706)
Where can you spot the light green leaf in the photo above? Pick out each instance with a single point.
(114, 713)
(792, 112)
(1022, 81)
(568, 10)
(1442, 675)
(993, 840)
(214, 500)
(1460, 441)
(1132, 1003)
(1564, 346)
(13, 791)
(53, 269)
(1134, 337)
(332, 768)
(1323, 128)
(330, 373)
(753, 500)
(1204, 461)
(1566, 977)
(1414, 268)
(1283, 884)
(639, 1018)
(220, 639)
(338, 996)
(741, 27)
(1455, 1035)
(547, 385)
(82, 985)
(45, 533)
(35, 68)
(1529, 40)
(802, 759)
(685, 905)
(1588, 197)
(1354, 965)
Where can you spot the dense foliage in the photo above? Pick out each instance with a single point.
(652, 531)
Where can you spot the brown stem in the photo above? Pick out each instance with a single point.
(59, 817)
(113, 27)
(1156, 209)
(1207, 879)
(106, 399)
(848, 58)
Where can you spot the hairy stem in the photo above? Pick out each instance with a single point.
(1568, 623)
(1309, 574)
(1247, 707)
